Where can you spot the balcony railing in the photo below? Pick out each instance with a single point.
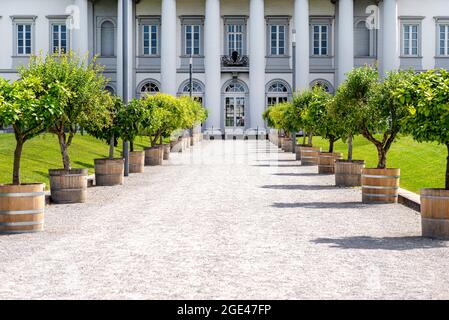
(235, 61)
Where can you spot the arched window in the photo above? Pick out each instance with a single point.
(149, 87)
(361, 40)
(326, 85)
(197, 90)
(107, 39)
(278, 91)
(110, 89)
(235, 87)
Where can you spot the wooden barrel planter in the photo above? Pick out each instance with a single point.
(166, 148)
(380, 185)
(68, 186)
(349, 173)
(136, 161)
(176, 146)
(435, 213)
(154, 156)
(109, 172)
(326, 162)
(22, 208)
(298, 150)
(287, 145)
(310, 156)
(280, 141)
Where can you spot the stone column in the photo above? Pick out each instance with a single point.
(345, 54)
(80, 32)
(168, 47)
(390, 54)
(125, 49)
(301, 20)
(257, 55)
(212, 63)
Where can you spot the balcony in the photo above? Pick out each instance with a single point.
(235, 62)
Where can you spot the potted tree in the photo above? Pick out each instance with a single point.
(109, 171)
(426, 98)
(318, 117)
(130, 120)
(85, 104)
(351, 97)
(380, 123)
(306, 152)
(29, 108)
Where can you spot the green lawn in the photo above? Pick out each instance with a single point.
(422, 164)
(42, 153)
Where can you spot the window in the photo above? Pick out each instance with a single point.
(410, 39)
(443, 39)
(235, 39)
(362, 40)
(150, 39)
(235, 87)
(192, 39)
(107, 39)
(149, 87)
(320, 40)
(326, 85)
(59, 38)
(277, 36)
(24, 38)
(278, 91)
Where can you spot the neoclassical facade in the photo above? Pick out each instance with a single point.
(246, 54)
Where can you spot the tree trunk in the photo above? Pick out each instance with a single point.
(350, 147)
(303, 138)
(64, 151)
(17, 158)
(111, 147)
(309, 143)
(381, 157)
(447, 168)
(131, 146)
(331, 144)
(161, 140)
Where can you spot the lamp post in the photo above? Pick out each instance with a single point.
(191, 90)
(294, 81)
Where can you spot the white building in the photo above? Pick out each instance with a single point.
(242, 49)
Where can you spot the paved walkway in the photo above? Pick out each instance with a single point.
(225, 220)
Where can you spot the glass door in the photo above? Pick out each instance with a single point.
(235, 112)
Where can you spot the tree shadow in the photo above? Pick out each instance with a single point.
(384, 243)
(84, 164)
(297, 174)
(42, 174)
(321, 205)
(299, 187)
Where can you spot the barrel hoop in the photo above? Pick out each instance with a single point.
(21, 195)
(20, 212)
(379, 187)
(327, 157)
(435, 197)
(379, 176)
(21, 224)
(108, 174)
(309, 157)
(69, 175)
(381, 195)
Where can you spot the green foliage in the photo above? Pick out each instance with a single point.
(130, 119)
(86, 102)
(301, 102)
(282, 116)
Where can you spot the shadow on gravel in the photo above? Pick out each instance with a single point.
(386, 243)
(321, 205)
(297, 174)
(298, 187)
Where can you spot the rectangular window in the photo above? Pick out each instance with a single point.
(410, 36)
(235, 39)
(150, 40)
(320, 40)
(192, 39)
(59, 38)
(443, 39)
(277, 39)
(24, 39)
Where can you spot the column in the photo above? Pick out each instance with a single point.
(345, 54)
(301, 19)
(212, 63)
(125, 49)
(80, 26)
(168, 47)
(256, 63)
(390, 44)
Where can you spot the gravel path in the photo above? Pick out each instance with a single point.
(225, 220)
